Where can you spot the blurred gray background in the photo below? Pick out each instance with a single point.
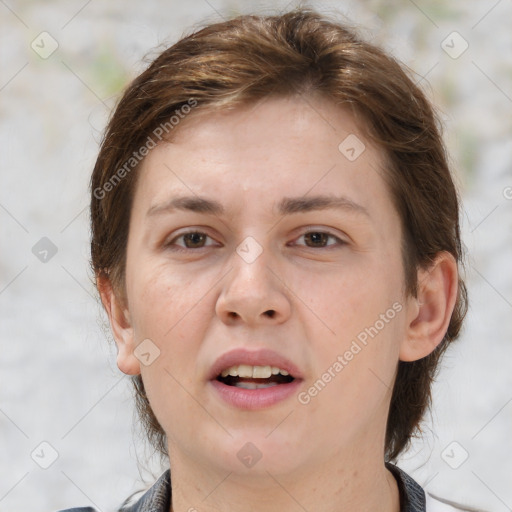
(66, 429)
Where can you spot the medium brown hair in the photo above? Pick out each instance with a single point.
(248, 58)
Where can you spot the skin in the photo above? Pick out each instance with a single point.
(195, 305)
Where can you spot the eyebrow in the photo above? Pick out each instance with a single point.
(287, 206)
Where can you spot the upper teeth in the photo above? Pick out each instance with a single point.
(255, 372)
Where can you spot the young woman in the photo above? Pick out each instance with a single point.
(275, 238)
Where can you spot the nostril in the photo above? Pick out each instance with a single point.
(271, 313)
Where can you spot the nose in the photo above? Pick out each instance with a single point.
(253, 293)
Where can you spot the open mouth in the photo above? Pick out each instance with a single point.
(254, 377)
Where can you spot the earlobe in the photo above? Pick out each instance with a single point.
(430, 312)
(121, 326)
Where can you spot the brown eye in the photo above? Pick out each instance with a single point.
(190, 240)
(194, 240)
(319, 239)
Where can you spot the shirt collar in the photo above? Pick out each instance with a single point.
(412, 496)
(156, 499)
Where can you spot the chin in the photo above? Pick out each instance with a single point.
(254, 452)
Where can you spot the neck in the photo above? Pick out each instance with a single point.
(333, 486)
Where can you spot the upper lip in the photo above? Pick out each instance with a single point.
(260, 357)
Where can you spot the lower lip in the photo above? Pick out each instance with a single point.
(252, 399)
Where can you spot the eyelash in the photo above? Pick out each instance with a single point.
(170, 245)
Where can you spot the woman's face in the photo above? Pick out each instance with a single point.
(273, 277)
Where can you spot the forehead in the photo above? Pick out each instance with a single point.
(263, 152)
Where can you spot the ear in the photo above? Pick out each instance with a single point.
(429, 314)
(121, 326)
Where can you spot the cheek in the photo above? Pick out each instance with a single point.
(363, 310)
(167, 308)
(159, 297)
(174, 307)
(349, 301)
